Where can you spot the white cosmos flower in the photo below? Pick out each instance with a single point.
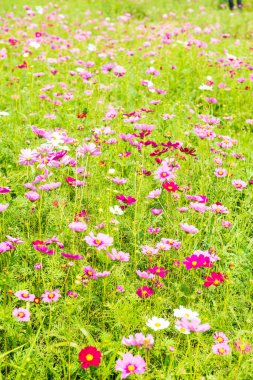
(182, 312)
(205, 87)
(34, 44)
(4, 113)
(156, 323)
(116, 210)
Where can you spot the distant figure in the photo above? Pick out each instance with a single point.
(231, 4)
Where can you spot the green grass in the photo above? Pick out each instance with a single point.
(47, 347)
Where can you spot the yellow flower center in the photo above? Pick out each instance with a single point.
(21, 314)
(25, 295)
(164, 174)
(221, 350)
(97, 241)
(216, 282)
(51, 295)
(220, 339)
(194, 263)
(131, 368)
(89, 357)
(157, 324)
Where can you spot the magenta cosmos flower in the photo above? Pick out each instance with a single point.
(51, 296)
(130, 364)
(101, 241)
(144, 292)
(24, 295)
(4, 190)
(21, 314)
(189, 228)
(197, 261)
(72, 256)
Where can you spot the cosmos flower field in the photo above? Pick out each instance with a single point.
(126, 190)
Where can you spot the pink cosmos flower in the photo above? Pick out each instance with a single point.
(197, 198)
(238, 184)
(118, 255)
(119, 71)
(147, 250)
(78, 226)
(242, 347)
(144, 274)
(218, 209)
(4, 207)
(51, 296)
(74, 182)
(226, 223)
(23, 315)
(154, 194)
(89, 148)
(220, 172)
(156, 211)
(120, 289)
(119, 181)
(40, 246)
(189, 228)
(183, 209)
(14, 240)
(28, 157)
(144, 292)
(24, 295)
(199, 207)
(32, 196)
(193, 325)
(139, 340)
(154, 230)
(101, 241)
(220, 337)
(130, 365)
(50, 186)
(221, 349)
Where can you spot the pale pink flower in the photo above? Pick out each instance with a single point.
(144, 274)
(23, 315)
(3, 207)
(218, 209)
(24, 295)
(154, 194)
(130, 365)
(221, 349)
(28, 157)
(78, 226)
(32, 196)
(118, 255)
(238, 184)
(89, 148)
(220, 172)
(200, 207)
(51, 296)
(147, 250)
(220, 337)
(189, 228)
(101, 241)
(226, 223)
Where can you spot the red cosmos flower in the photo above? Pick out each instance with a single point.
(170, 186)
(215, 279)
(159, 271)
(171, 146)
(158, 152)
(124, 199)
(191, 152)
(89, 356)
(37, 300)
(144, 292)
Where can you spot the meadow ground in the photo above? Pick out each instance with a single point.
(126, 190)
